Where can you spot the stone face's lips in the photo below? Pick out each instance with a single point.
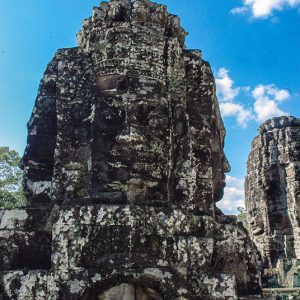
(125, 154)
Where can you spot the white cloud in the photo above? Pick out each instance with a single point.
(227, 93)
(234, 195)
(242, 114)
(239, 10)
(271, 90)
(225, 89)
(266, 101)
(264, 8)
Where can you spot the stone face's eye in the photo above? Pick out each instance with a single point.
(122, 84)
(111, 82)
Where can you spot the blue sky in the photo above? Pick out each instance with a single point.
(253, 47)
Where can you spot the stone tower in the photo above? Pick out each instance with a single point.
(273, 190)
(123, 168)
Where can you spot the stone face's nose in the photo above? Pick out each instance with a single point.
(226, 165)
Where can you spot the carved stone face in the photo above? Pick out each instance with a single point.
(130, 137)
(220, 164)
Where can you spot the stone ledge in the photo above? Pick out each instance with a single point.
(24, 219)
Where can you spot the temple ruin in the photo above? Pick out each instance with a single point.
(123, 169)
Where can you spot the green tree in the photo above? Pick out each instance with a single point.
(11, 191)
(242, 217)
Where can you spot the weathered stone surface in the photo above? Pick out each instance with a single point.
(125, 155)
(273, 191)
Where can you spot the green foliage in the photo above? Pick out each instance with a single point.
(242, 217)
(273, 282)
(287, 266)
(11, 191)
